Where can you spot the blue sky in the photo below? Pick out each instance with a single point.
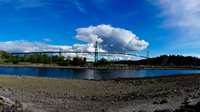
(131, 26)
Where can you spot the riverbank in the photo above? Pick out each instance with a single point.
(115, 67)
(132, 94)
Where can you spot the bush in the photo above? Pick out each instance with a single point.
(103, 61)
(16, 60)
(78, 61)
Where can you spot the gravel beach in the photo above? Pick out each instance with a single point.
(131, 94)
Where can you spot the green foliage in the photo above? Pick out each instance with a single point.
(39, 57)
(23, 59)
(33, 59)
(50, 60)
(64, 63)
(78, 61)
(102, 61)
(43, 58)
(5, 55)
(16, 60)
(172, 60)
(8, 61)
(55, 58)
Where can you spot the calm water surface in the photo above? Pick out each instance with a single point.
(88, 73)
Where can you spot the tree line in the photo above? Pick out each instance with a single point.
(42, 58)
(55, 59)
(166, 60)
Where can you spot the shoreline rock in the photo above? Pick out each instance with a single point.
(112, 67)
(125, 94)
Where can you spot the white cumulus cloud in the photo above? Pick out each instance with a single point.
(85, 48)
(111, 39)
(25, 46)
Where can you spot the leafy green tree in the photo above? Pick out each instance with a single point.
(62, 61)
(22, 59)
(84, 60)
(5, 55)
(39, 57)
(50, 60)
(55, 58)
(62, 58)
(16, 60)
(33, 59)
(78, 61)
(45, 58)
(103, 61)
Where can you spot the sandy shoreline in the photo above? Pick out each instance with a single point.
(95, 95)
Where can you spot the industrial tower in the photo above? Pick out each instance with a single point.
(96, 52)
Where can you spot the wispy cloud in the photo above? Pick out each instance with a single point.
(100, 3)
(130, 14)
(189, 44)
(47, 40)
(180, 13)
(184, 16)
(80, 7)
(30, 4)
(49, 7)
(20, 4)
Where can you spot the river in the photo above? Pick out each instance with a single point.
(88, 73)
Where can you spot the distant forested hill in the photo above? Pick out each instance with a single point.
(166, 60)
(44, 58)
